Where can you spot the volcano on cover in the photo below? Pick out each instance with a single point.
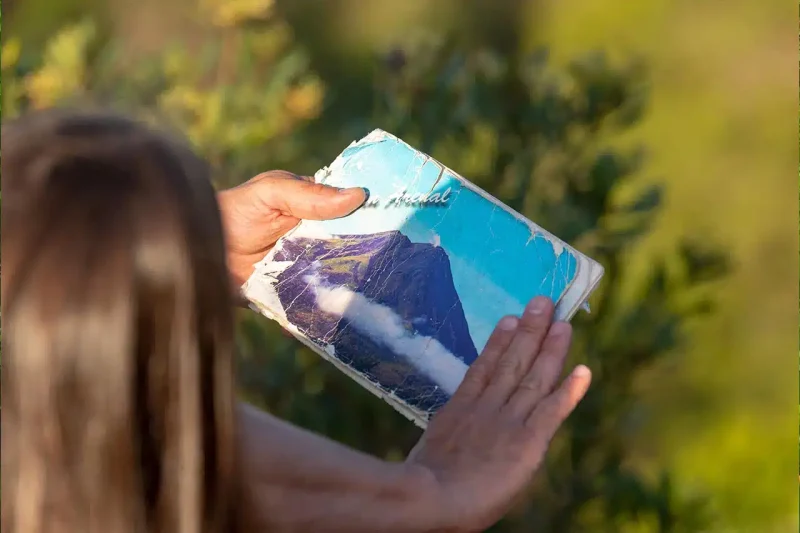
(387, 305)
(403, 294)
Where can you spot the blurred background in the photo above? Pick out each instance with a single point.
(652, 135)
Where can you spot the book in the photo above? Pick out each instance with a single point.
(403, 293)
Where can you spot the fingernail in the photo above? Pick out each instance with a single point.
(581, 371)
(538, 305)
(366, 193)
(508, 323)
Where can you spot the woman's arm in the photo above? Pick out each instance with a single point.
(299, 481)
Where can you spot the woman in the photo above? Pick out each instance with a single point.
(119, 410)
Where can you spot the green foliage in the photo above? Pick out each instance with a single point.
(533, 136)
(242, 95)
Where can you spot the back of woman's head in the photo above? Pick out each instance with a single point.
(117, 378)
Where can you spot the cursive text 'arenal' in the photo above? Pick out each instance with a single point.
(404, 199)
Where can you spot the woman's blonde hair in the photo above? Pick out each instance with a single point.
(117, 377)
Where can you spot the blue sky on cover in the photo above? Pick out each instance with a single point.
(497, 265)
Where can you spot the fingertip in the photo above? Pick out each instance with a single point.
(579, 383)
(508, 323)
(352, 198)
(582, 372)
(539, 305)
(336, 203)
(355, 192)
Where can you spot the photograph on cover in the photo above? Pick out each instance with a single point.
(406, 290)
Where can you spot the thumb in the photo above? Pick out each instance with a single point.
(311, 201)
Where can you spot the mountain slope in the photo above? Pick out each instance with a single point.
(387, 306)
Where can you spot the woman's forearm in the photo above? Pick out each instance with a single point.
(300, 481)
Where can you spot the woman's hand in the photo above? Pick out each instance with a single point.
(260, 211)
(483, 447)
(479, 452)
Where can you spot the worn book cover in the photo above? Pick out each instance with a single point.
(403, 293)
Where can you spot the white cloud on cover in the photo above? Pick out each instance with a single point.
(383, 325)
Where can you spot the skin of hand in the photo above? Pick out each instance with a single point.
(483, 447)
(480, 450)
(260, 211)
